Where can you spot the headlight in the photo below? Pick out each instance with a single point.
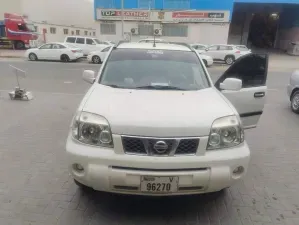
(92, 129)
(225, 132)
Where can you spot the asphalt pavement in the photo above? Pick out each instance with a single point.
(36, 189)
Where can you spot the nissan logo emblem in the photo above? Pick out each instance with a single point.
(161, 146)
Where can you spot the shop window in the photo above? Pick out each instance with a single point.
(176, 4)
(66, 31)
(146, 29)
(73, 32)
(85, 33)
(175, 30)
(94, 33)
(77, 32)
(36, 28)
(53, 30)
(107, 28)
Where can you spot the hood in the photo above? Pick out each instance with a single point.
(158, 113)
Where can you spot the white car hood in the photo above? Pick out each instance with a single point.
(157, 113)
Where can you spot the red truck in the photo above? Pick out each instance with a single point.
(15, 31)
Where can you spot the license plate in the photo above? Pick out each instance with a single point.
(159, 184)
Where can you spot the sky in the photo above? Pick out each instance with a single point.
(79, 12)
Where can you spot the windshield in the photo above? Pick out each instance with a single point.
(142, 68)
(30, 27)
(97, 41)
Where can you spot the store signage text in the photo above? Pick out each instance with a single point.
(116, 14)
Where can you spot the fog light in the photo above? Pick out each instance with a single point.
(78, 167)
(238, 171)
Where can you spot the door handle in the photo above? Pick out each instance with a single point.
(259, 94)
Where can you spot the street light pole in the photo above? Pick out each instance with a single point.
(122, 19)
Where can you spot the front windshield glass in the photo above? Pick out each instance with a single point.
(97, 41)
(142, 68)
(30, 27)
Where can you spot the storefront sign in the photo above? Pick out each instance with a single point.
(185, 16)
(164, 16)
(127, 15)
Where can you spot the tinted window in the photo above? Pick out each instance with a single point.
(97, 41)
(223, 48)
(251, 69)
(71, 39)
(213, 48)
(57, 46)
(201, 47)
(132, 68)
(89, 41)
(47, 46)
(80, 41)
(242, 48)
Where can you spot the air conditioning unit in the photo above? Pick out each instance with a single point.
(158, 31)
(134, 31)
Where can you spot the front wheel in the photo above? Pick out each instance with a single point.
(96, 59)
(32, 57)
(65, 58)
(295, 102)
(19, 45)
(229, 60)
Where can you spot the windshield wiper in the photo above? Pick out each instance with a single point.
(114, 86)
(160, 87)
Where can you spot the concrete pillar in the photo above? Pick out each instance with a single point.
(246, 28)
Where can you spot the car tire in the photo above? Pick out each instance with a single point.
(32, 57)
(64, 58)
(205, 62)
(295, 102)
(229, 59)
(19, 45)
(96, 59)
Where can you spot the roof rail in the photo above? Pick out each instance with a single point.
(182, 44)
(120, 42)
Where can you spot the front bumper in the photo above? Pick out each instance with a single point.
(290, 89)
(210, 62)
(111, 170)
(89, 58)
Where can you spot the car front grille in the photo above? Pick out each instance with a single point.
(160, 146)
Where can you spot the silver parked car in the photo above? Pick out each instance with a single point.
(293, 91)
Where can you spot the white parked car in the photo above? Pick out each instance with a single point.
(200, 48)
(208, 60)
(293, 91)
(226, 53)
(153, 123)
(98, 57)
(87, 44)
(54, 51)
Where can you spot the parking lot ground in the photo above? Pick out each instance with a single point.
(36, 189)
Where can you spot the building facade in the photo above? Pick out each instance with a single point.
(176, 20)
(203, 21)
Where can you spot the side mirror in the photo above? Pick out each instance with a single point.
(231, 84)
(89, 76)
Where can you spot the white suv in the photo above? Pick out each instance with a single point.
(226, 53)
(153, 123)
(87, 44)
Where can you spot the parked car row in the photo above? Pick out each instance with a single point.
(222, 53)
(76, 47)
